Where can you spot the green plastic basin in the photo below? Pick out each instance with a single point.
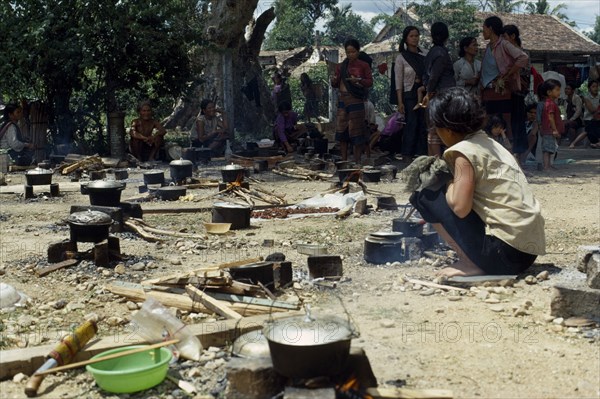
(131, 373)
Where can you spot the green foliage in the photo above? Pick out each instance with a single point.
(507, 6)
(595, 34)
(83, 57)
(292, 28)
(459, 15)
(543, 7)
(342, 23)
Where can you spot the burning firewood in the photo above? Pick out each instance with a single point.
(92, 162)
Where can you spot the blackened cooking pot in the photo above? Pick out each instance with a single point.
(181, 169)
(232, 173)
(237, 215)
(89, 226)
(189, 154)
(410, 228)
(254, 273)
(154, 177)
(389, 171)
(105, 192)
(121, 174)
(170, 193)
(38, 177)
(306, 347)
(351, 175)
(371, 175)
(203, 155)
(383, 247)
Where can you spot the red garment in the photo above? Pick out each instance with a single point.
(357, 69)
(537, 79)
(551, 110)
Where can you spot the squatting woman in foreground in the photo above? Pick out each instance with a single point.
(487, 213)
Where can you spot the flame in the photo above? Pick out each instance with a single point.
(351, 389)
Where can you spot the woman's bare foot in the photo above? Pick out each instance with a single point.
(461, 269)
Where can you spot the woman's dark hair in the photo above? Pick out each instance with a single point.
(203, 104)
(495, 24)
(405, 34)
(284, 106)
(464, 42)
(495, 121)
(591, 82)
(304, 78)
(457, 110)
(9, 109)
(352, 42)
(439, 33)
(548, 85)
(513, 30)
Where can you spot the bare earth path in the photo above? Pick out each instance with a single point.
(417, 337)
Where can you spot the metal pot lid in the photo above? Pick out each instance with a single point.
(172, 188)
(181, 162)
(233, 167)
(106, 184)
(387, 234)
(251, 345)
(39, 171)
(305, 331)
(253, 266)
(89, 217)
(154, 172)
(229, 205)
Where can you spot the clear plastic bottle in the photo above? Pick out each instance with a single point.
(228, 151)
(154, 323)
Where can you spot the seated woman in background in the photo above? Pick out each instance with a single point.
(285, 130)
(147, 134)
(11, 139)
(487, 213)
(210, 128)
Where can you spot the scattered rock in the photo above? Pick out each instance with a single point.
(521, 311)
(543, 275)
(530, 280)
(427, 292)
(497, 308)
(559, 321)
(114, 321)
(492, 300)
(138, 267)
(120, 268)
(483, 295)
(132, 305)
(454, 298)
(175, 261)
(61, 303)
(19, 378)
(548, 318)
(387, 323)
(25, 320)
(106, 273)
(578, 322)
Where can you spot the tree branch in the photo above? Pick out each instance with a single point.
(258, 33)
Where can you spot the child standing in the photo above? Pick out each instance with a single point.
(552, 126)
(487, 213)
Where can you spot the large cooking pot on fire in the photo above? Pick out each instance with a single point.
(105, 192)
(154, 177)
(236, 214)
(89, 226)
(38, 177)
(231, 173)
(181, 169)
(309, 346)
(170, 193)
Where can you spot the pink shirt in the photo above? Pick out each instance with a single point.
(507, 55)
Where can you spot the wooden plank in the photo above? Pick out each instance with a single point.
(434, 285)
(56, 266)
(254, 301)
(185, 303)
(216, 306)
(406, 393)
(238, 263)
(218, 333)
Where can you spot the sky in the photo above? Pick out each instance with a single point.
(583, 12)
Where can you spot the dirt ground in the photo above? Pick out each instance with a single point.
(413, 336)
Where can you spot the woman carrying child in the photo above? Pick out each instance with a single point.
(552, 126)
(487, 213)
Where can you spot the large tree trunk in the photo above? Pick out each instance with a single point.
(231, 53)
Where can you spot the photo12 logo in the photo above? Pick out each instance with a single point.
(471, 332)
